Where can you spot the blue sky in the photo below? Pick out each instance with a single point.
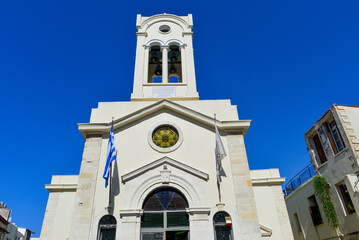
(283, 63)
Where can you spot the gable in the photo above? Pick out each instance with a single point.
(195, 116)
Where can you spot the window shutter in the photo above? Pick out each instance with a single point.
(319, 148)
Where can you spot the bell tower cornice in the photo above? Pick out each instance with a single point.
(164, 67)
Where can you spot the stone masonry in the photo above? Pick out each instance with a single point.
(85, 194)
(246, 206)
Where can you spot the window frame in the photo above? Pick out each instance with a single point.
(314, 210)
(335, 137)
(345, 198)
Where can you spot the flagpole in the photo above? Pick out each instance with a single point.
(217, 170)
(110, 185)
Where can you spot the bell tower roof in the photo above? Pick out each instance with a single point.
(164, 65)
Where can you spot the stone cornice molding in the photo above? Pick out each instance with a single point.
(104, 128)
(159, 162)
(160, 17)
(267, 232)
(198, 210)
(60, 187)
(131, 213)
(268, 181)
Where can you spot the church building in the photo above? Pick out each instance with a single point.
(165, 184)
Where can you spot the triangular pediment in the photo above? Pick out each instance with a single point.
(161, 162)
(102, 128)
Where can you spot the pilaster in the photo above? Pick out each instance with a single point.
(282, 213)
(50, 214)
(130, 224)
(199, 223)
(85, 194)
(246, 206)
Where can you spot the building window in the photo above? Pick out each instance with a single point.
(222, 226)
(165, 216)
(335, 137)
(319, 149)
(299, 228)
(314, 211)
(155, 65)
(107, 228)
(347, 201)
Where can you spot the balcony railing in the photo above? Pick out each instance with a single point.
(299, 179)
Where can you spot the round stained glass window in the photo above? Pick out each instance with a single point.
(165, 136)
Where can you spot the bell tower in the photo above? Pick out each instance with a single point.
(164, 65)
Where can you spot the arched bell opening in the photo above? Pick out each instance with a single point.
(164, 215)
(107, 228)
(155, 64)
(222, 224)
(174, 64)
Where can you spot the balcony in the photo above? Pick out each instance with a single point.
(299, 179)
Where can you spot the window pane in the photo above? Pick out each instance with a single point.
(108, 234)
(346, 198)
(177, 219)
(152, 220)
(177, 235)
(223, 233)
(152, 236)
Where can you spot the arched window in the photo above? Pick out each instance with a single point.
(155, 65)
(107, 228)
(165, 216)
(222, 226)
(175, 66)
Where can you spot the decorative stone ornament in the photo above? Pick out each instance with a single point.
(165, 137)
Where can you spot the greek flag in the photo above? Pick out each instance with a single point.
(220, 154)
(111, 156)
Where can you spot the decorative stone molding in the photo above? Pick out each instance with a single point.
(164, 161)
(104, 128)
(131, 213)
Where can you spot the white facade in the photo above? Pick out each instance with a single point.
(338, 163)
(253, 199)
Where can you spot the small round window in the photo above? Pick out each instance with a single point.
(165, 29)
(165, 136)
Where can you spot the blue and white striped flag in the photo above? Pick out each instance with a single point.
(111, 156)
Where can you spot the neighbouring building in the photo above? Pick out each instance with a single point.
(9, 230)
(165, 183)
(333, 145)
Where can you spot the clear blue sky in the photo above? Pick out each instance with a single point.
(284, 63)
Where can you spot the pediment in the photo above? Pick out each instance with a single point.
(163, 162)
(103, 128)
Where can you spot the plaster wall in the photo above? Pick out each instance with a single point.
(196, 151)
(297, 202)
(272, 211)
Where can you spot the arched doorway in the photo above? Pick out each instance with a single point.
(164, 216)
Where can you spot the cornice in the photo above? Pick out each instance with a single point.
(104, 128)
(60, 187)
(268, 181)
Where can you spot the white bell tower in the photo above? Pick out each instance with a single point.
(164, 65)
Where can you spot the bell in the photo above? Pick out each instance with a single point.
(173, 57)
(154, 58)
(173, 69)
(158, 70)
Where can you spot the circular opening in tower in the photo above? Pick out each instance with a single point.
(164, 28)
(165, 136)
